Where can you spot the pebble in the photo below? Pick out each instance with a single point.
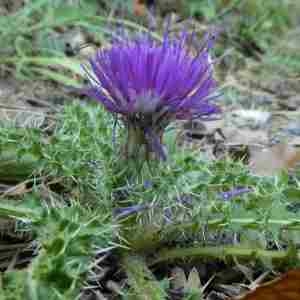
(294, 128)
(254, 118)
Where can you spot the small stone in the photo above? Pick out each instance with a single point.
(255, 119)
(294, 128)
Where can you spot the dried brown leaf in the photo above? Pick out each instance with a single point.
(139, 8)
(286, 287)
(270, 161)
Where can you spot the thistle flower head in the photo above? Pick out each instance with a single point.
(150, 83)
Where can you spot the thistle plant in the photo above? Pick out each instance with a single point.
(149, 84)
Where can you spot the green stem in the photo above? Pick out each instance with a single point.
(135, 143)
(141, 280)
(152, 237)
(243, 222)
(221, 253)
(14, 167)
(295, 223)
(14, 211)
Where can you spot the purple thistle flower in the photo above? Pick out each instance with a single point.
(150, 84)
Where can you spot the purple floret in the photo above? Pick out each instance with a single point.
(235, 193)
(124, 212)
